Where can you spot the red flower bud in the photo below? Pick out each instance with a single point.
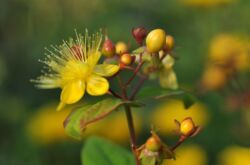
(108, 48)
(139, 34)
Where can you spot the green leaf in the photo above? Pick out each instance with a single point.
(160, 93)
(81, 117)
(98, 151)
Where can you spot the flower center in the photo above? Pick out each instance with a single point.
(75, 70)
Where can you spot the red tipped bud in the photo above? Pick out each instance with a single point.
(153, 143)
(108, 48)
(139, 34)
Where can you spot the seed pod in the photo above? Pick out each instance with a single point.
(139, 34)
(108, 48)
(121, 48)
(155, 40)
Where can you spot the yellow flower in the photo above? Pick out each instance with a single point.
(214, 78)
(233, 155)
(206, 3)
(163, 117)
(230, 50)
(45, 125)
(117, 127)
(190, 154)
(73, 68)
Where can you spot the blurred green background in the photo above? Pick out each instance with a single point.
(31, 131)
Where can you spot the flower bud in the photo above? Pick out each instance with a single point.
(155, 40)
(139, 34)
(187, 127)
(108, 48)
(153, 144)
(126, 59)
(169, 42)
(77, 51)
(121, 48)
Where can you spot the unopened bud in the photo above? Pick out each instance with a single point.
(169, 42)
(155, 40)
(126, 59)
(121, 48)
(108, 48)
(187, 127)
(153, 144)
(139, 34)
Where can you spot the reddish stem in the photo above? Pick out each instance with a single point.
(136, 71)
(179, 142)
(114, 94)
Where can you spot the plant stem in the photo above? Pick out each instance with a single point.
(137, 88)
(132, 132)
(114, 94)
(179, 142)
(134, 74)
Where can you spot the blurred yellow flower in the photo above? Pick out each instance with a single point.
(163, 117)
(46, 125)
(235, 155)
(190, 155)
(206, 3)
(214, 78)
(230, 51)
(73, 67)
(114, 127)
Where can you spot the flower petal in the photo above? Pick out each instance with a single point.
(168, 62)
(168, 79)
(97, 85)
(72, 92)
(106, 70)
(93, 58)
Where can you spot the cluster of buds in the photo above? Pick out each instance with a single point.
(155, 150)
(156, 40)
(117, 53)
